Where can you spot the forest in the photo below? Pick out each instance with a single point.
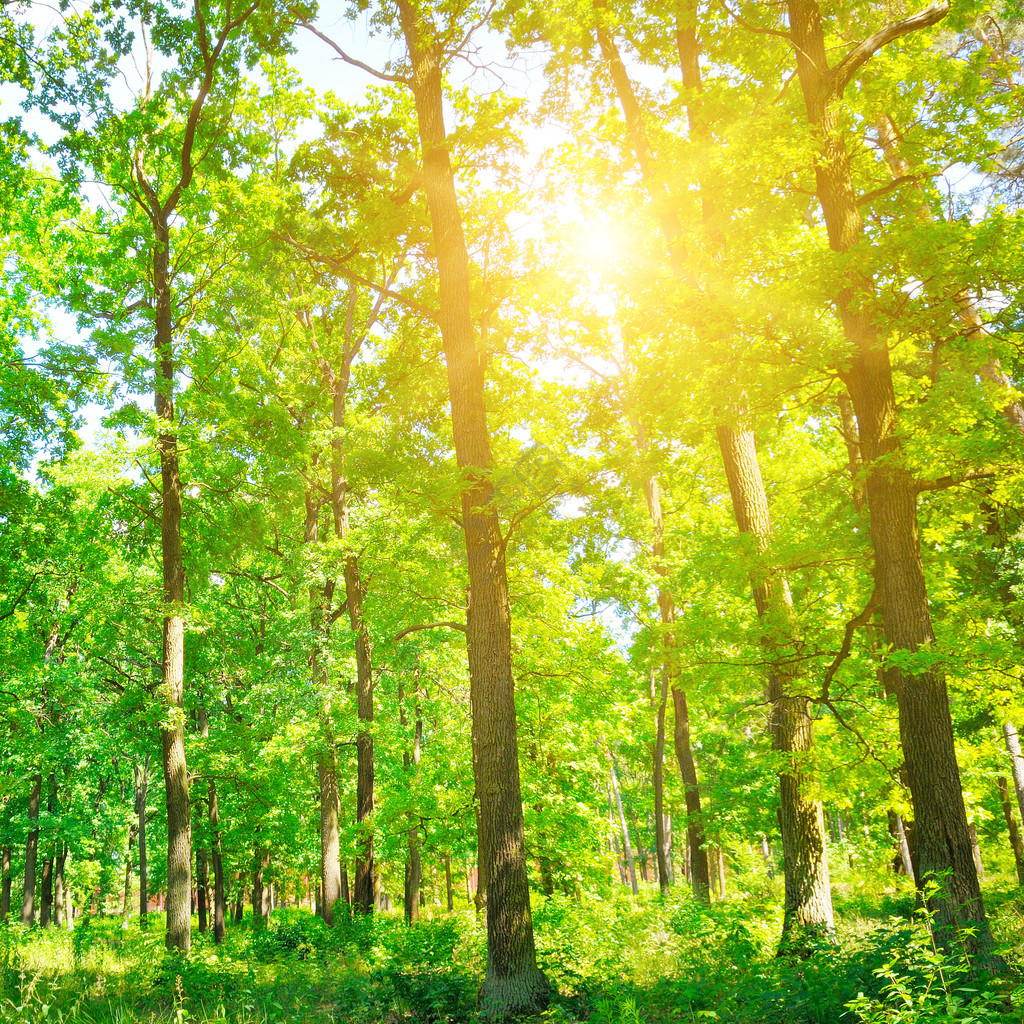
(511, 511)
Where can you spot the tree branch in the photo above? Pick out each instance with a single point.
(341, 270)
(944, 482)
(21, 596)
(844, 650)
(382, 75)
(884, 190)
(429, 625)
(839, 76)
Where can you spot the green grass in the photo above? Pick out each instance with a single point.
(613, 960)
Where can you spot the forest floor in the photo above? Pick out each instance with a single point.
(613, 960)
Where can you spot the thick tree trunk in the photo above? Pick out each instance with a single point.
(808, 906)
(942, 840)
(176, 780)
(5, 885)
(1011, 827)
(330, 844)
(28, 899)
(513, 984)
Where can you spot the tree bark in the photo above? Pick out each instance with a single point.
(513, 985)
(1016, 763)
(448, 882)
(28, 899)
(942, 840)
(1011, 827)
(808, 906)
(330, 844)
(176, 780)
(696, 843)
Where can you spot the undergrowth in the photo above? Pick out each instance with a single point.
(621, 960)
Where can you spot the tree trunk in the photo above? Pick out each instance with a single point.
(337, 379)
(203, 889)
(976, 851)
(667, 610)
(410, 761)
(5, 890)
(808, 906)
(942, 840)
(766, 853)
(46, 893)
(365, 880)
(219, 903)
(626, 844)
(448, 882)
(1011, 827)
(28, 900)
(126, 892)
(513, 984)
(697, 855)
(330, 844)
(61, 916)
(176, 781)
(260, 890)
(1017, 763)
(904, 845)
(141, 789)
(658, 781)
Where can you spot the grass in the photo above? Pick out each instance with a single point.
(613, 959)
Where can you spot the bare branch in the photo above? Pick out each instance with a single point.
(382, 75)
